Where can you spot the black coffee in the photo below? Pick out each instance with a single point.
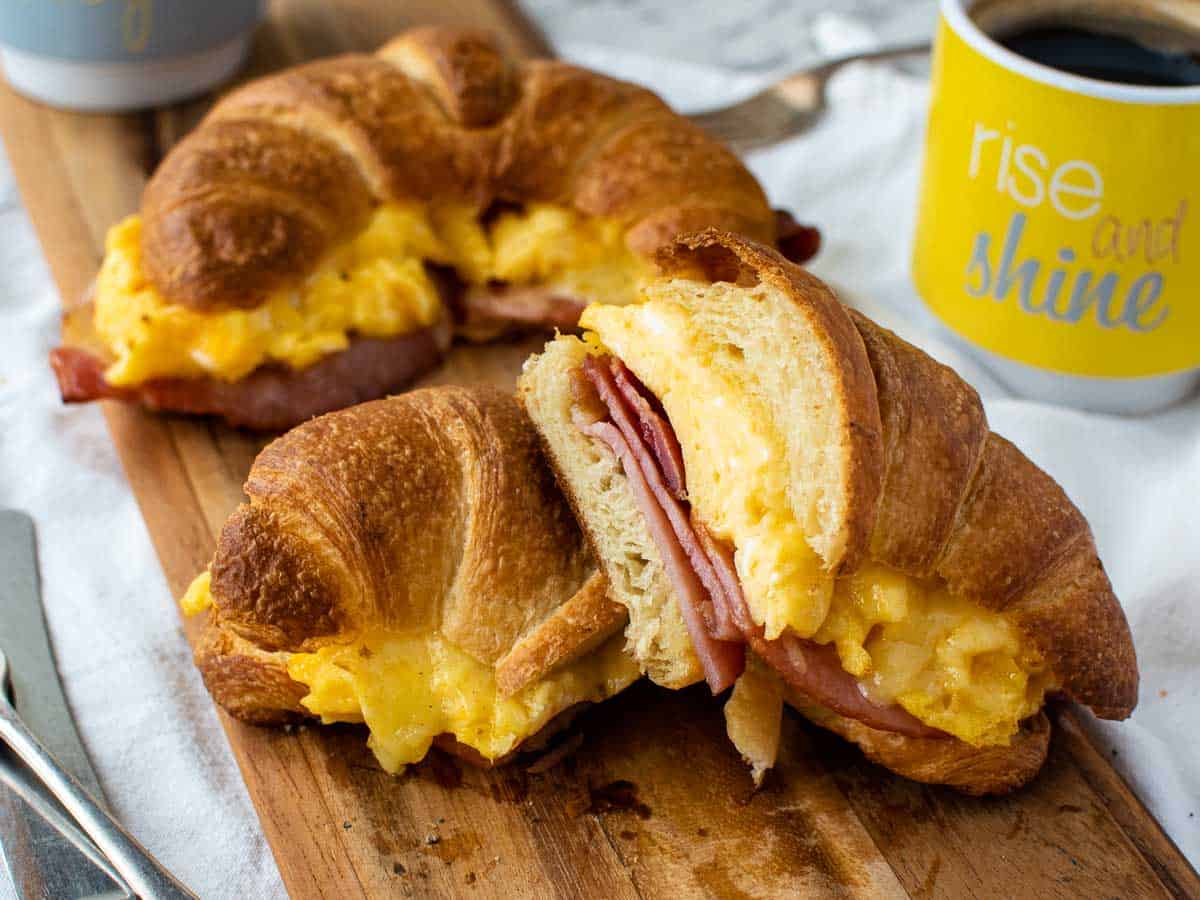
(1104, 56)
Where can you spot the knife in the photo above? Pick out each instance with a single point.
(17, 777)
(43, 861)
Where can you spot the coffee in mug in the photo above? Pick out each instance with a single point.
(1057, 225)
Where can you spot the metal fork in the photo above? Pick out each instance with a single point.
(788, 107)
(144, 874)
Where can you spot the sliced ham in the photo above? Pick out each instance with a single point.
(731, 605)
(488, 311)
(270, 398)
(721, 661)
(604, 380)
(816, 671)
(657, 433)
(702, 569)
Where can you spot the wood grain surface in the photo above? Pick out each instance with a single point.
(654, 803)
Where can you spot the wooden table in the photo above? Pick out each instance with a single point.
(655, 803)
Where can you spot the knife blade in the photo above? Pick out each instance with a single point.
(42, 861)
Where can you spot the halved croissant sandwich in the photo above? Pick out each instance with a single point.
(786, 496)
(409, 563)
(315, 241)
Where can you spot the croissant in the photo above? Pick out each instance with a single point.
(365, 204)
(409, 563)
(763, 472)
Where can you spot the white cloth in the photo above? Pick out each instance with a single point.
(143, 713)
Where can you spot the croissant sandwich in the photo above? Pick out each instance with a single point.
(318, 238)
(409, 563)
(794, 502)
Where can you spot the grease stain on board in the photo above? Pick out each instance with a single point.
(616, 796)
(453, 846)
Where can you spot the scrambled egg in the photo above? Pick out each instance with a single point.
(951, 663)
(374, 285)
(410, 687)
(198, 597)
(948, 661)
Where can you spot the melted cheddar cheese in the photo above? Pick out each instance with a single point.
(410, 687)
(950, 662)
(374, 285)
(198, 597)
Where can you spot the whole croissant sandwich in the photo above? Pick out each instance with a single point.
(409, 563)
(315, 241)
(793, 501)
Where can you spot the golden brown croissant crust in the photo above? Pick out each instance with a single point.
(289, 164)
(937, 494)
(973, 770)
(429, 510)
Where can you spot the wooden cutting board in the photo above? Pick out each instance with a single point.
(654, 803)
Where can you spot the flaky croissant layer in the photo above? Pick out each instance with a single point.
(409, 563)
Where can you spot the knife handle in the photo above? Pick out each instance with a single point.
(15, 776)
(143, 873)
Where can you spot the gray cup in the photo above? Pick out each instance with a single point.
(122, 54)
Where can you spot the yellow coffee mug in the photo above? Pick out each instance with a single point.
(1058, 233)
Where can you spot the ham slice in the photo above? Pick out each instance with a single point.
(658, 435)
(731, 605)
(270, 398)
(604, 376)
(485, 312)
(721, 661)
(816, 671)
(702, 569)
